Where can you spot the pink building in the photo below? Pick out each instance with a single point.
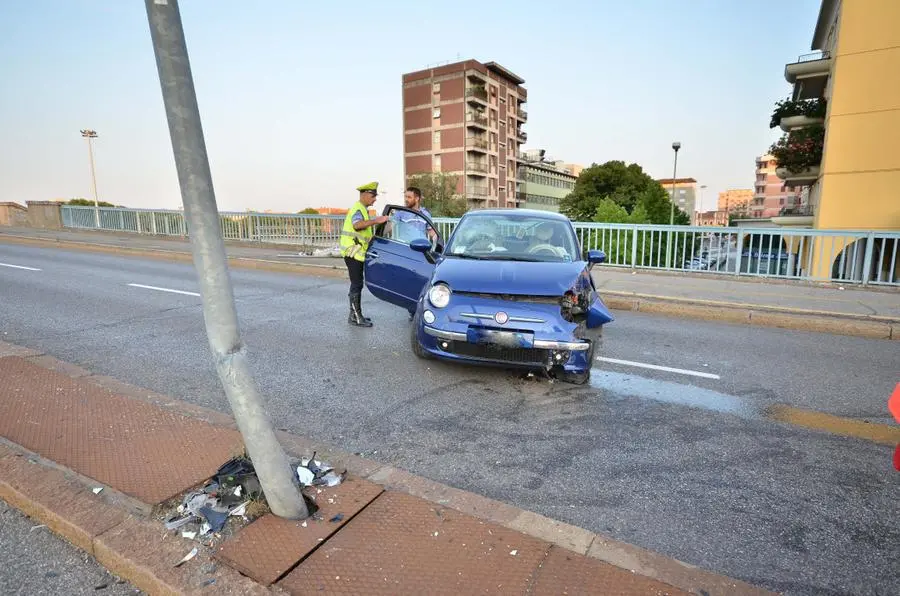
(770, 195)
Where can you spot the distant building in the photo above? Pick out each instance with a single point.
(466, 119)
(736, 200)
(770, 194)
(545, 181)
(685, 194)
(712, 218)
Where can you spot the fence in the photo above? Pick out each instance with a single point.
(863, 257)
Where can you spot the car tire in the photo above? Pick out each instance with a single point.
(417, 348)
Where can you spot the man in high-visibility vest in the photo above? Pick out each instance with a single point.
(355, 238)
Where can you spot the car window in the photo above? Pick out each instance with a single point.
(514, 237)
(405, 226)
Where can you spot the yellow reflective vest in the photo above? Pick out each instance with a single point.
(354, 243)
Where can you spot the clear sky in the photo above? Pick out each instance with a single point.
(301, 101)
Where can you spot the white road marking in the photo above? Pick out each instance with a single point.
(680, 371)
(19, 267)
(164, 290)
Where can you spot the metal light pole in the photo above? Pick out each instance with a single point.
(219, 313)
(90, 135)
(676, 146)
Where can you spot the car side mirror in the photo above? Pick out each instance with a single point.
(422, 245)
(595, 257)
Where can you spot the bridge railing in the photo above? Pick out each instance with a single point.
(849, 256)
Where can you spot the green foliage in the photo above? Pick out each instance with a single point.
(813, 108)
(309, 211)
(626, 186)
(439, 194)
(88, 203)
(800, 149)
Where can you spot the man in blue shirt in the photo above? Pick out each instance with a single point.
(413, 200)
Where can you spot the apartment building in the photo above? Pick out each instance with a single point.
(466, 119)
(685, 194)
(771, 196)
(735, 200)
(852, 162)
(545, 182)
(718, 218)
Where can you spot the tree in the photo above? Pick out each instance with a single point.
(88, 203)
(628, 186)
(439, 194)
(309, 211)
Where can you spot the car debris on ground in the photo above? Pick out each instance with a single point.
(203, 514)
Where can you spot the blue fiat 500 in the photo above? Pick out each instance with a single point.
(510, 287)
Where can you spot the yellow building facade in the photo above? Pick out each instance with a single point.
(856, 71)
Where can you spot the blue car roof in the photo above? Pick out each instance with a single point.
(514, 212)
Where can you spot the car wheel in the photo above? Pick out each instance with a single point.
(417, 348)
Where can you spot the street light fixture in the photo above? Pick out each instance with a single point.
(90, 135)
(675, 146)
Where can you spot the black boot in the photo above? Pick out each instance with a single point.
(356, 318)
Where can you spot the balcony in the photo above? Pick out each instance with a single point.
(522, 135)
(522, 115)
(799, 155)
(790, 115)
(799, 216)
(817, 64)
(478, 193)
(477, 93)
(476, 119)
(809, 75)
(476, 168)
(477, 144)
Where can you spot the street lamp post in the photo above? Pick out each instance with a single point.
(675, 146)
(90, 135)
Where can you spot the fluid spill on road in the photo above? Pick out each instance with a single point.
(673, 393)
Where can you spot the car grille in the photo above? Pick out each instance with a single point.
(501, 354)
(514, 297)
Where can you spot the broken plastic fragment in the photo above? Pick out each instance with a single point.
(174, 524)
(189, 535)
(514, 552)
(337, 518)
(205, 529)
(216, 519)
(188, 557)
(305, 476)
(240, 510)
(97, 490)
(303, 524)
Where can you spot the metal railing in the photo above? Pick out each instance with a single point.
(846, 256)
(476, 166)
(479, 119)
(818, 55)
(305, 230)
(477, 92)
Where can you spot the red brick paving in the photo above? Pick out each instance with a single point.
(141, 450)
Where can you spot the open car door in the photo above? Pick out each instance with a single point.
(394, 271)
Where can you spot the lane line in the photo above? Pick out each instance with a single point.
(164, 290)
(883, 434)
(19, 267)
(680, 371)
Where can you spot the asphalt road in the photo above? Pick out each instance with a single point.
(34, 561)
(686, 465)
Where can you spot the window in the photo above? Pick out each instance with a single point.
(404, 227)
(437, 162)
(437, 137)
(436, 88)
(437, 113)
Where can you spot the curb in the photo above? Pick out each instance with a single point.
(866, 326)
(134, 549)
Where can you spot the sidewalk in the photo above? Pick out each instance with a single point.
(873, 312)
(67, 433)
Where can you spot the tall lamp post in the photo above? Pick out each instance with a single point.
(675, 146)
(90, 135)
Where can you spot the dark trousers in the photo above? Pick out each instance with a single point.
(356, 269)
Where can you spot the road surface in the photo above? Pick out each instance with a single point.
(34, 561)
(686, 462)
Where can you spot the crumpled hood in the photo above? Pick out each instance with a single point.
(508, 277)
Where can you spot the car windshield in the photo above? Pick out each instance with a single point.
(513, 237)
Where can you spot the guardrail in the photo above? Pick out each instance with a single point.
(859, 257)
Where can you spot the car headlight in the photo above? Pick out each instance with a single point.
(439, 295)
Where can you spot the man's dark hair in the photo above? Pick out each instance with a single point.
(416, 191)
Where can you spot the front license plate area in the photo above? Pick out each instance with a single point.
(504, 339)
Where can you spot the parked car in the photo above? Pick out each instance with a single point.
(510, 287)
